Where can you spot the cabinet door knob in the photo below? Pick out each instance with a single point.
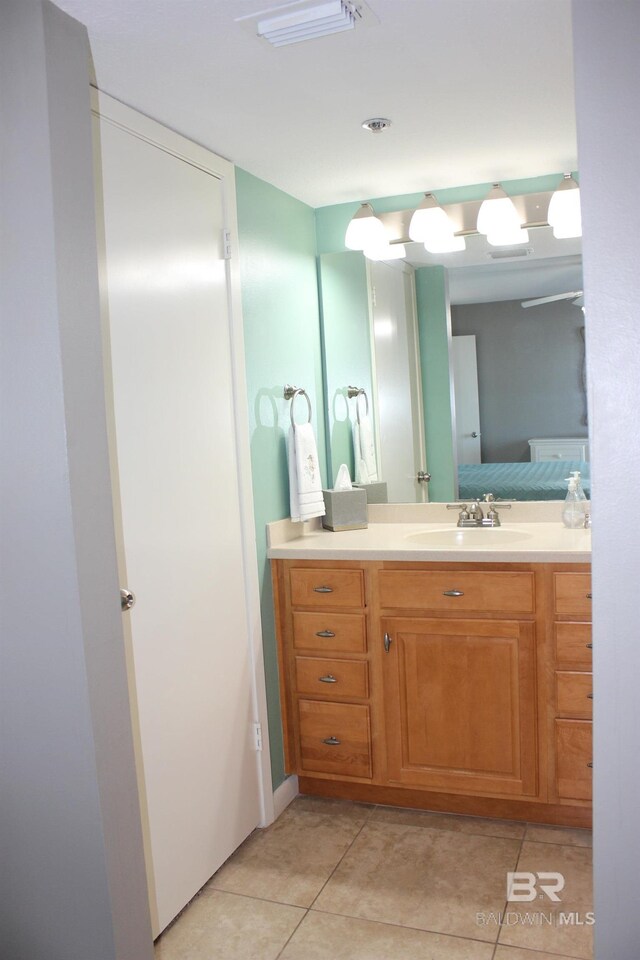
(325, 633)
(589, 646)
(590, 765)
(453, 593)
(387, 642)
(328, 679)
(589, 696)
(589, 596)
(331, 741)
(323, 589)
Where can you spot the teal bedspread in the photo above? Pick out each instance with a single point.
(520, 481)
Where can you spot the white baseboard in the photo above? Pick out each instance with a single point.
(284, 795)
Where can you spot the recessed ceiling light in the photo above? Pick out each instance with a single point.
(376, 124)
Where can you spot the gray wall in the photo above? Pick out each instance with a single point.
(607, 68)
(529, 373)
(72, 869)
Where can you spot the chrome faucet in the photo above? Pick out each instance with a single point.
(473, 515)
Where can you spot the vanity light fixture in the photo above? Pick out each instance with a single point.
(564, 210)
(498, 216)
(365, 230)
(386, 251)
(333, 16)
(432, 225)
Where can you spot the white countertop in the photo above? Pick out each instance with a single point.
(517, 541)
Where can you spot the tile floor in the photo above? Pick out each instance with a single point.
(332, 880)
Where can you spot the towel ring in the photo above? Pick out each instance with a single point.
(290, 393)
(359, 392)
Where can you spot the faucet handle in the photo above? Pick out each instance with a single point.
(464, 513)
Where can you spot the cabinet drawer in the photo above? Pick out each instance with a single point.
(457, 591)
(573, 646)
(335, 738)
(312, 587)
(339, 679)
(574, 694)
(574, 752)
(572, 594)
(330, 632)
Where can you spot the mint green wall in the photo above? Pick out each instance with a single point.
(282, 345)
(434, 332)
(344, 305)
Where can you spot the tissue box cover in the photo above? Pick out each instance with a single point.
(346, 509)
(376, 492)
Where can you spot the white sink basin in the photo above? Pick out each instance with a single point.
(468, 536)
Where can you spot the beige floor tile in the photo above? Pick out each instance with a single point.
(326, 805)
(547, 930)
(574, 863)
(446, 821)
(545, 834)
(223, 926)
(557, 928)
(514, 953)
(433, 880)
(289, 861)
(323, 936)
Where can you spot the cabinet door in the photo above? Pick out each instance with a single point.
(460, 705)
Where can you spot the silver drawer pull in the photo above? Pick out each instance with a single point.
(590, 765)
(325, 633)
(589, 646)
(331, 741)
(387, 643)
(453, 593)
(589, 696)
(328, 679)
(323, 589)
(589, 596)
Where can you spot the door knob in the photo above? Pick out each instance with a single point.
(423, 477)
(127, 599)
(475, 434)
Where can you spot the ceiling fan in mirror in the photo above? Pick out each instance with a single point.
(576, 296)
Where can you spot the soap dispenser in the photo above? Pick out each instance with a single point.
(574, 509)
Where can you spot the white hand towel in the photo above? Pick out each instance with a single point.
(305, 483)
(364, 450)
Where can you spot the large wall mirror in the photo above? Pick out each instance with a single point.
(461, 380)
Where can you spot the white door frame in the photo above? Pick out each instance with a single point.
(116, 113)
(414, 374)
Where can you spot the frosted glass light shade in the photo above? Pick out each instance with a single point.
(564, 210)
(508, 237)
(429, 220)
(364, 230)
(385, 251)
(497, 213)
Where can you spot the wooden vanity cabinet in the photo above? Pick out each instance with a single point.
(447, 686)
(571, 707)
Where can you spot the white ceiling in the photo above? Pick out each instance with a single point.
(477, 90)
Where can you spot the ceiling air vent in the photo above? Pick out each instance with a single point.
(510, 254)
(298, 21)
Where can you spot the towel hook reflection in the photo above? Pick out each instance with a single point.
(290, 393)
(359, 392)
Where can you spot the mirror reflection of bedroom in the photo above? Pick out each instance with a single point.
(518, 370)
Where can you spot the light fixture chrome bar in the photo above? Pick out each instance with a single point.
(532, 208)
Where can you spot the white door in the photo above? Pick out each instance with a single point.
(177, 469)
(397, 384)
(467, 407)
